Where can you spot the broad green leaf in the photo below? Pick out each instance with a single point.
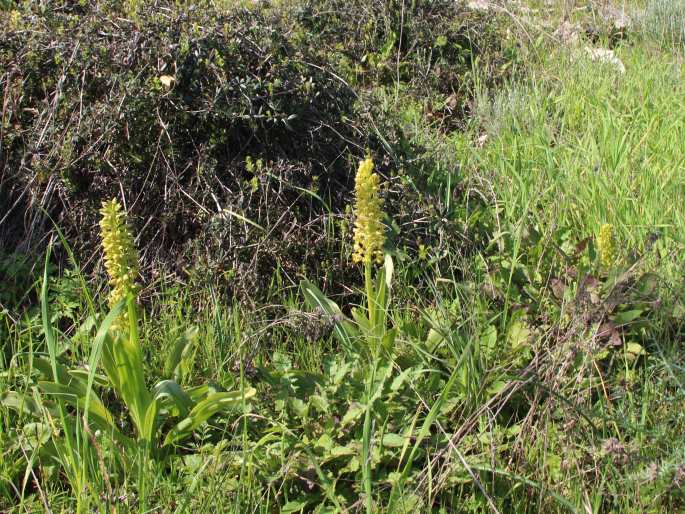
(35, 435)
(338, 371)
(488, 341)
(22, 403)
(99, 344)
(108, 361)
(320, 403)
(132, 387)
(361, 319)
(434, 338)
(325, 442)
(179, 350)
(354, 412)
(168, 391)
(344, 330)
(393, 440)
(496, 387)
(388, 341)
(623, 318)
(281, 362)
(518, 334)
(197, 393)
(294, 506)
(150, 421)
(83, 374)
(98, 412)
(300, 407)
(204, 410)
(635, 350)
(46, 369)
(381, 290)
(73, 396)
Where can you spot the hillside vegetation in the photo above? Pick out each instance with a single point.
(325, 256)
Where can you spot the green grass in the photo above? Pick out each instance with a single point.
(524, 377)
(662, 21)
(581, 145)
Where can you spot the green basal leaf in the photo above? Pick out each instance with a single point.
(23, 403)
(354, 412)
(623, 318)
(99, 414)
(82, 375)
(393, 440)
(180, 349)
(388, 341)
(171, 396)
(204, 410)
(359, 316)
(150, 421)
(197, 393)
(344, 330)
(295, 506)
(132, 388)
(46, 369)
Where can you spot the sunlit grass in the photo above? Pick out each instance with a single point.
(493, 388)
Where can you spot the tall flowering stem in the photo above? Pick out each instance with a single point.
(606, 245)
(369, 232)
(121, 257)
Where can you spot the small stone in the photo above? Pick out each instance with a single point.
(605, 56)
(479, 5)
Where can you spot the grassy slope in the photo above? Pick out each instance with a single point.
(573, 146)
(576, 146)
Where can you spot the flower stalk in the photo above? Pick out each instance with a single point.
(121, 257)
(369, 231)
(606, 245)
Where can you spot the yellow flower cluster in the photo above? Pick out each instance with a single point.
(121, 258)
(606, 245)
(369, 232)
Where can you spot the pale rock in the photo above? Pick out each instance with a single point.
(606, 56)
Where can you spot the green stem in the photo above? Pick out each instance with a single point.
(370, 300)
(366, 441)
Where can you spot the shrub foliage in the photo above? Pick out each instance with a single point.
(228, 134)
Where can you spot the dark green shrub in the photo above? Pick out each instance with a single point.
(229, 135)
